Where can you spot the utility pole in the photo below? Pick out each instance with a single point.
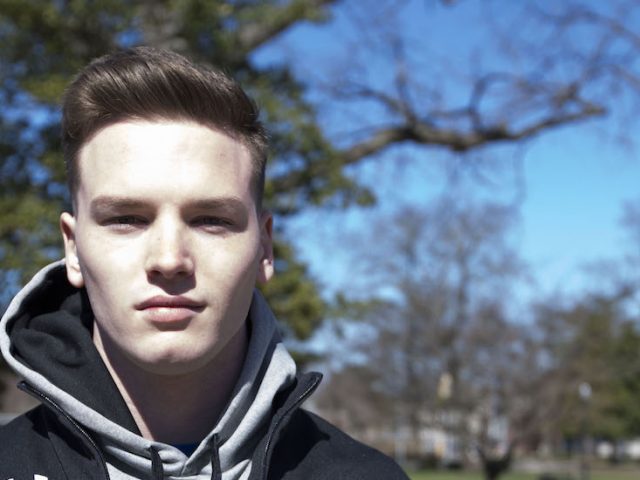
(585, 392)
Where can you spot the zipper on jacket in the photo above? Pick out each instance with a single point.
(216, 470)
(276, 427)
(34, 392)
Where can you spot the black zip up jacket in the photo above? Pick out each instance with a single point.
(298, 445)
(45, 337)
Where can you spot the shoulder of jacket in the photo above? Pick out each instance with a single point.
(21, 428)
(25, 449)
(36, 446)
(322, 451)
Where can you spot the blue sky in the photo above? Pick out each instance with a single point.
(576, 186)
(575, 178)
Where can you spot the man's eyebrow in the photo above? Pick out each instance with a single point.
(108, 202)
(219, 203)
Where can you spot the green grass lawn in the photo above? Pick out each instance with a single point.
(598, 475)
(465, 476)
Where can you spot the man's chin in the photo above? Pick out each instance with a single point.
(170, 364)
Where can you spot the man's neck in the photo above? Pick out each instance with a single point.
(176, 409)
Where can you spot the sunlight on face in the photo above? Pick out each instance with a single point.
(167, 241)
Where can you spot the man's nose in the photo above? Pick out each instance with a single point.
(168, 252)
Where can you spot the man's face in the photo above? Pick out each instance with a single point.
(167, 241)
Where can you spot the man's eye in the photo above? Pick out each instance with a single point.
(208, 221)
(125, 222)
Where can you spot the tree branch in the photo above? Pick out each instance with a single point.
(426, 134)
(461, 141)
(252, 35)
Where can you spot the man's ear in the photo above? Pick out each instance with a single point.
(265, 267)
(68, 229)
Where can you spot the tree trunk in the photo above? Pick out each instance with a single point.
(494, 467)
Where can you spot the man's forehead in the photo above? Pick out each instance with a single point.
(129, 132)
(158, 158)
(126, 144)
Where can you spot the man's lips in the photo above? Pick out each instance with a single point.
(169, 302)
(169, 310)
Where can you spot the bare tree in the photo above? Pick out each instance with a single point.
(542, 65)
(445, 353)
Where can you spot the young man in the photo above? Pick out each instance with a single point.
(151, 352)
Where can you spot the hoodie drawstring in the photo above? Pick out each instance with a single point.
(156, 464)
(216, 471)
(157, 471)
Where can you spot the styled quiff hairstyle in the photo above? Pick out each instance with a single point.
(149, 84)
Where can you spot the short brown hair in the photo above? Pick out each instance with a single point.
(144, 83)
